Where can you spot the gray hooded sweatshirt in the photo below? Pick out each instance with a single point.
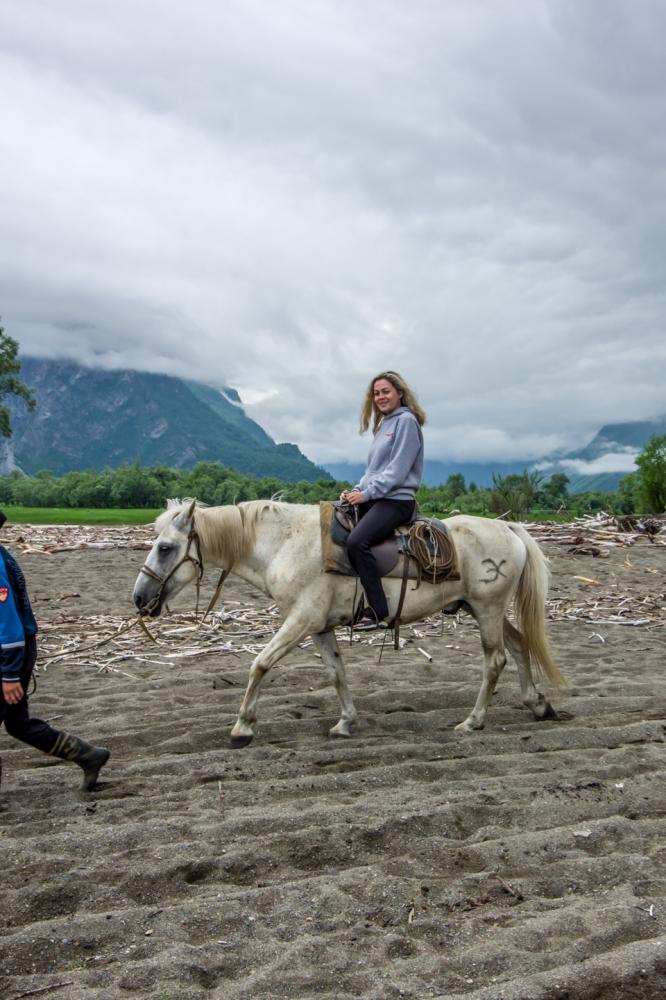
(395, 462)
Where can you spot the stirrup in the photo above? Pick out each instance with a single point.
(368, 622)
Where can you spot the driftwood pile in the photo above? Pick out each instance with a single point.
(594, 534)
(611, 609)
(49, 539)
(109, 642)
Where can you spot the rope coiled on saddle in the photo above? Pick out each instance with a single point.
(432, 549)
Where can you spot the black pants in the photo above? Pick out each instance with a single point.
(17, 719)
(378, 520)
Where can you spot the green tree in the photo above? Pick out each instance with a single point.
(555, 491)
(652, 476)
(557, 485)
(455, 486)
(233, 490)
(627, 494)
(514, 493)
(133, 486)
(10, 383)
(474, 501)
(592, 502)
(7, 484)
(170, 480)
(88, 488)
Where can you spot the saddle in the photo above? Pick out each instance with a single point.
(419, 550)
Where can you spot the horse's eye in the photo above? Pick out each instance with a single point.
(164, 549)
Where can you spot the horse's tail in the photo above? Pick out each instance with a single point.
(530, 606)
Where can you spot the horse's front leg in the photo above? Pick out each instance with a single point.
(327, 644)
(288, 635)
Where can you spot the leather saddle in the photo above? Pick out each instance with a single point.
(336, 521)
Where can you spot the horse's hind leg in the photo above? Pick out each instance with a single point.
(490, 626)
(327, 644)
(539, 705)
(287, 636)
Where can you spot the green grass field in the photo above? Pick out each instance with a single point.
(82, 515)
(92, 515)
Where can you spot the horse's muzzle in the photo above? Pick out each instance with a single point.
(148, 607)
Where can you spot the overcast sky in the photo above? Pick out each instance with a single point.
(290, 197)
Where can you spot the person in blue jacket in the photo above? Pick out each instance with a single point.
(385, 496)
(18, 653)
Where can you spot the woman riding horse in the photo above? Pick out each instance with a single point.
(385, 496)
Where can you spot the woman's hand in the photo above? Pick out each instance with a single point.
(12, 692)
(354, 497)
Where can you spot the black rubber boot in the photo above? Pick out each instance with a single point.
(91, 759)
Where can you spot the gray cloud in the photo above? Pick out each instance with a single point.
(621, 461)
(288, 198)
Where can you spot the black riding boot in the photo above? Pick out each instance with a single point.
(91, 759)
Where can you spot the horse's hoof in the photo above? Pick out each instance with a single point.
(237, 742)
(339, 733)
(548, 713)
(466, 727)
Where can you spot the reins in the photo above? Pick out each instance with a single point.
(213, 601)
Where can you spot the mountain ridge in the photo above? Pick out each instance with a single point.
(89, 418)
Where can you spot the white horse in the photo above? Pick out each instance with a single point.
(277, 548)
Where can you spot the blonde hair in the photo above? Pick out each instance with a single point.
(407, 398)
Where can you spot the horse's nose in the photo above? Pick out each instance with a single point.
(139, 599)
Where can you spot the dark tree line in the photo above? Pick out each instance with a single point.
(150, 487)
(135, 486)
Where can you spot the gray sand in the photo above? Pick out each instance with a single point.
(525, 861)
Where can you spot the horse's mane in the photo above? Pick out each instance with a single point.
(227, 534)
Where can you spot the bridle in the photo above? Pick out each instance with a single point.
(192, 541)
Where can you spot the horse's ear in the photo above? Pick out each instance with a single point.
(185, 516)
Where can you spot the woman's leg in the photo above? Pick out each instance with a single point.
(378, 520)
